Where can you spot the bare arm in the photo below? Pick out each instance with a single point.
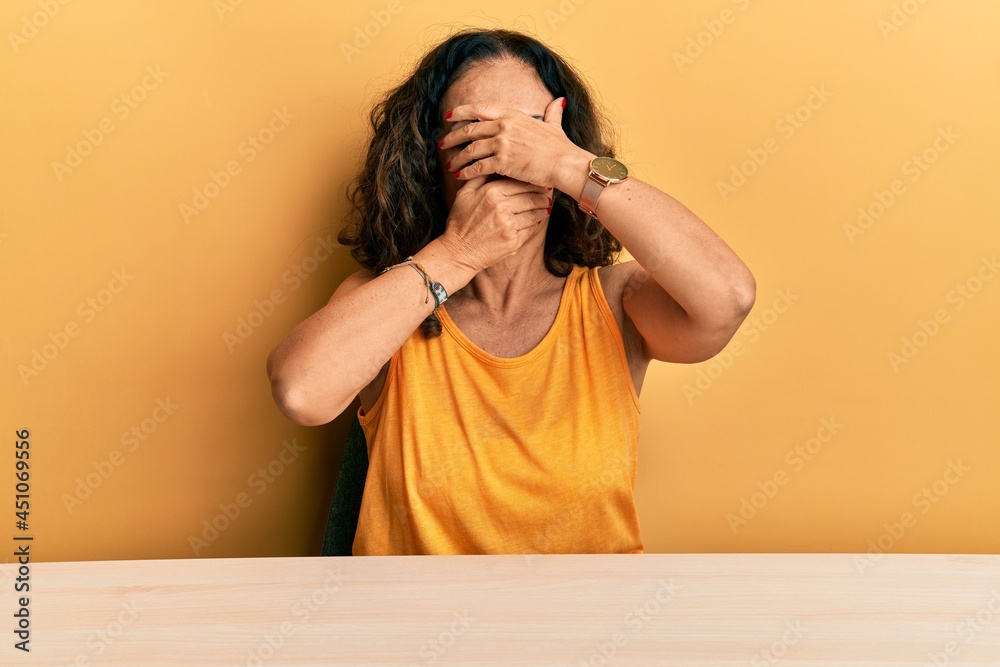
(688, 292)
(322, 364)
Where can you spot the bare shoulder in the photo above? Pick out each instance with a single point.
(613, 280)
(370, 392)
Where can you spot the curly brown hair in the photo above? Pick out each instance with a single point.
(396, 197)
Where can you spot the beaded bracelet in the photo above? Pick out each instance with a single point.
(436, 289)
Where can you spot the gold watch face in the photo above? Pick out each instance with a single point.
(609, 168)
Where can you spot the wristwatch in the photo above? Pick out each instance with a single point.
(603, 172)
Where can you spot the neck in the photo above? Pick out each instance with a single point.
(509, 285)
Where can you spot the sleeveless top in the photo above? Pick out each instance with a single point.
(470, 453)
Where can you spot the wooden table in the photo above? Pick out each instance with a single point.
(643, 609)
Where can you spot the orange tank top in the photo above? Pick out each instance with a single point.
(475, 454)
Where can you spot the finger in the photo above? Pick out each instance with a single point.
(475, 111)
(467, 133)
(554, 111)
(473, 184)
(471, 153)
(531, 201)
(482, 167)
(512, 186)
(529, 221)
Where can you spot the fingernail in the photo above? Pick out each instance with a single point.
(550, 188)
(548, 210)
(447, 115)
(440, 141)
(447, 166)
(563, 104)
(457, 173)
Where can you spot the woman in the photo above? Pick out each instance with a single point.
(505, 420)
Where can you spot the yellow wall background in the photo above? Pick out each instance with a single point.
(806, 434)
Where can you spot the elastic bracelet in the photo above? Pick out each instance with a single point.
(423, 276)
(436, 289)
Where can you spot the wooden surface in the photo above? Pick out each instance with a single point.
(647, 609)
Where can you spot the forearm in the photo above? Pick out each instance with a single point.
(322, 364)
(688, 260)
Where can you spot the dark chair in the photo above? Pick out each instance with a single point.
(345, 507)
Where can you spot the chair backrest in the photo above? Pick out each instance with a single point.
(342, 522)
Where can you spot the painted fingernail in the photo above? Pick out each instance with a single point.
(440, 141)
(563, 104)
(447, 115)
(550, 188)
(447, 166)
(548, 210)
(457, 173)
